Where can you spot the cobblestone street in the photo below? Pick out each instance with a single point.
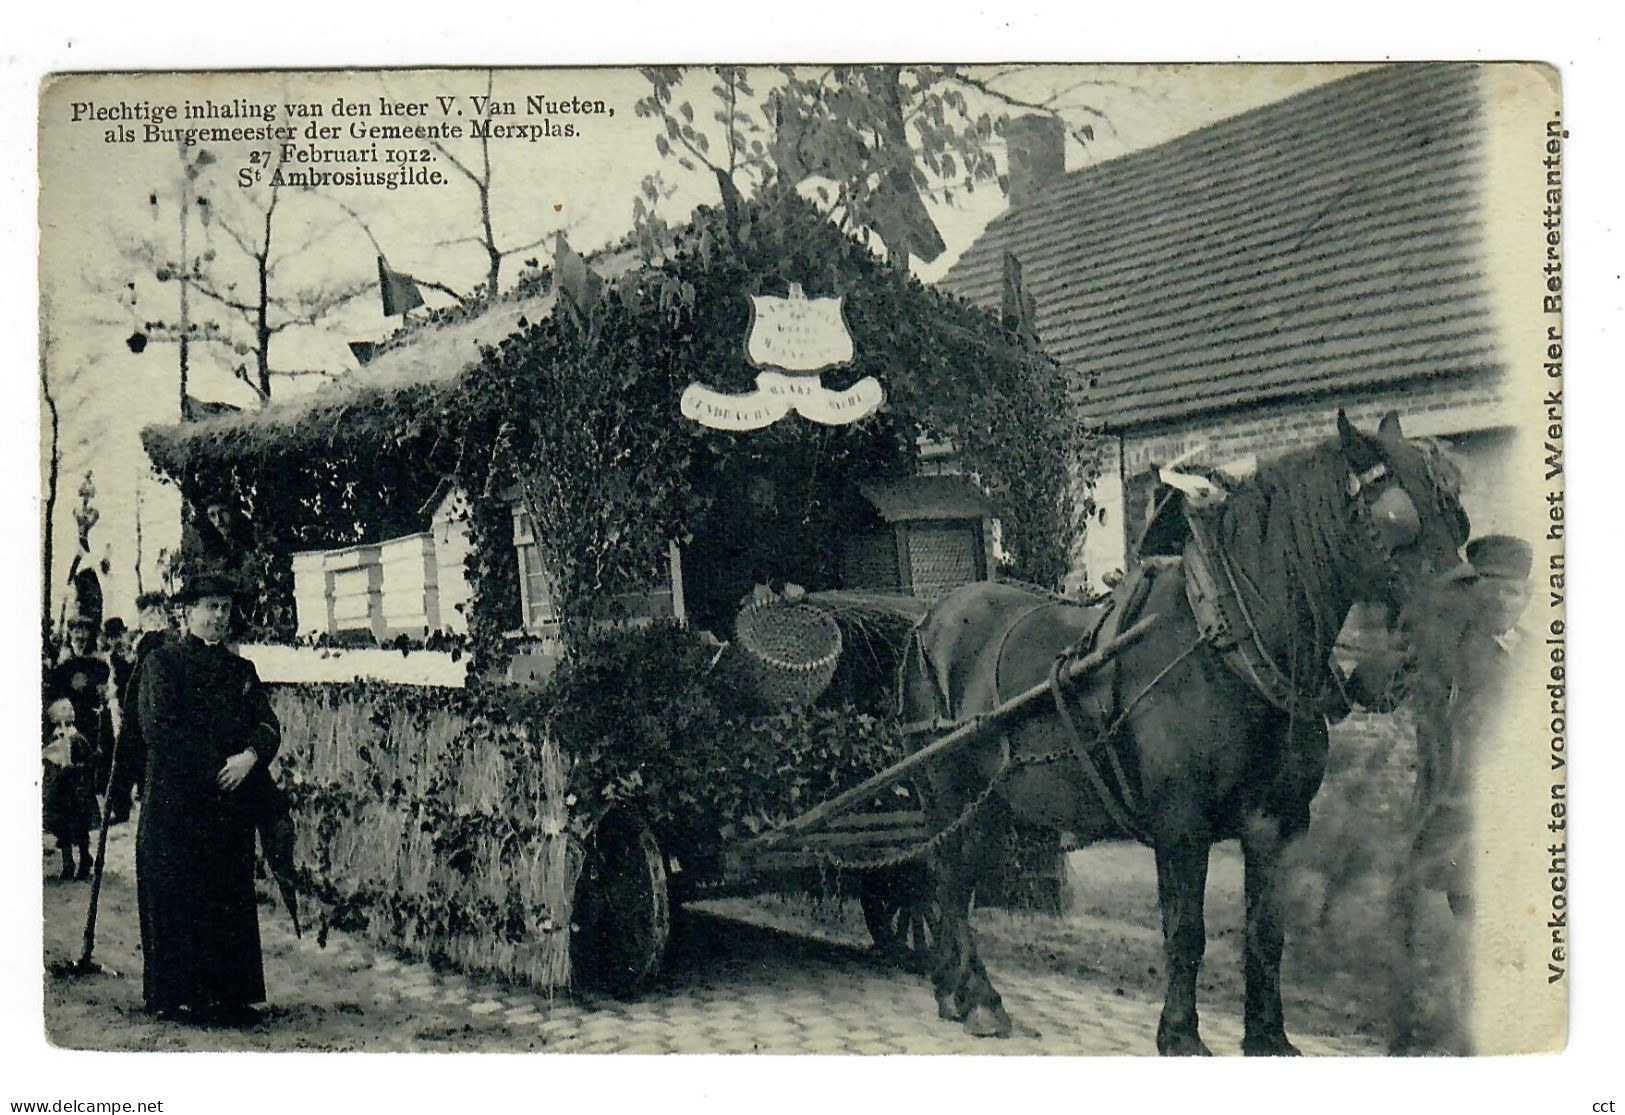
(729, 988)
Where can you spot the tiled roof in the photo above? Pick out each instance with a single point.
(928, 497)
(1322, 244)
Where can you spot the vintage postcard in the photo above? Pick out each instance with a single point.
(858, 559)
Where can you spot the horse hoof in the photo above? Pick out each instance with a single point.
(1276, 1046)
(988, 1022)
(1182, 1045)
(948, 1010)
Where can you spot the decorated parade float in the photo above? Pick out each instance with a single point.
(530, 582)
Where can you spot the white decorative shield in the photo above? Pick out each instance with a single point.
(797, 334)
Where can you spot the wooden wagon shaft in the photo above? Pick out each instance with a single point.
(966, 733)
(836, 838)
(901, 818)
(859, 836)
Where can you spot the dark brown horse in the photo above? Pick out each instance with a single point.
(1196, 751)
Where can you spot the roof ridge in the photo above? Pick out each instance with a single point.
(1320, 243)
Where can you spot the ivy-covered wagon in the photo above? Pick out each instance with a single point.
(506, 523)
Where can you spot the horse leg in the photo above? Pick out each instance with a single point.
(1181, 881)
(963, 990)
(953, 907)
(984, 1014)
(1261, 844)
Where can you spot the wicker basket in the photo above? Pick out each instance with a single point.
(789, 650)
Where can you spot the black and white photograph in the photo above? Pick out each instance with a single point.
(854, 559)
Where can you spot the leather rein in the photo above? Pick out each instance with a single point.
(1223, 620)
(1214, 591)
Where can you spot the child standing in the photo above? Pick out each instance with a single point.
(70, 790)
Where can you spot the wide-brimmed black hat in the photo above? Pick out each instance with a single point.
(209, 584)
(1501, 555)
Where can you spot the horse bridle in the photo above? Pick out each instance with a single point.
(1363, 511)
(1244, 651)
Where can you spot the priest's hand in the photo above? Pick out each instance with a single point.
(236, 769)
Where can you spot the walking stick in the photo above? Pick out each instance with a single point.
(86, 964)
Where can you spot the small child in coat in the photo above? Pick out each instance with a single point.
(70, 790)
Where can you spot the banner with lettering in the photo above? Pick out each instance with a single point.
(775, 396)
(790, 335)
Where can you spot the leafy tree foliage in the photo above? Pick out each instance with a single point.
(874, 138)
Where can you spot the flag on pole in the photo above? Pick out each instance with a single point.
(398, 291)
(576, 283)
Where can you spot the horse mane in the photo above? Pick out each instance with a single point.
(1286, 532)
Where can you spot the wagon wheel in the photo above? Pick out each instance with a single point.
(900, 911)
(622, 916)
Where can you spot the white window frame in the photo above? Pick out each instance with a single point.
(536, 617)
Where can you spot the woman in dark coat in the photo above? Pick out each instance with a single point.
(204, 723)
(84, 679)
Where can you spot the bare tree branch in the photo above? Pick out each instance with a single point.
(249, 247)
(456, 163)
(322, 233)
(316, 307)
(1013, 101)
(208, 291)
(537, 243)
(240, 371)
(433, 285)
(356, 217)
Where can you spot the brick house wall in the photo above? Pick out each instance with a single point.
(1468, 415)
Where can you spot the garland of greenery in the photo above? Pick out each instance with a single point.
(648, 722)
(577, 412)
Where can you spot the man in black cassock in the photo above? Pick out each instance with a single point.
(205, 725)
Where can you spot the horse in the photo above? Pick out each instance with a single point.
(1185, 742)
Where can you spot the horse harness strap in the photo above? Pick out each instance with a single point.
(1224, 620)
(1116, 795)
(1119, 803)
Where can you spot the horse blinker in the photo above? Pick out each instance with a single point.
(1395, 518)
